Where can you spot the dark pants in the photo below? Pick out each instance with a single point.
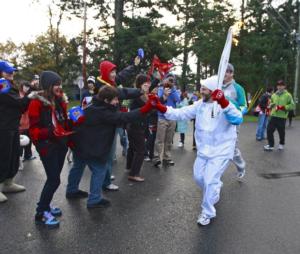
(9, 154)
(136, 150)
(26, 150)
(150, 143)
(278, 124)
(53, 163)
(182, 137)
(151, 136)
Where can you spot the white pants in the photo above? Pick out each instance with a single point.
(207, 174)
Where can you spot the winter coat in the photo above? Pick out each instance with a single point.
(41, 124)
(264, 102)
(182, 126)
(281, 99)
(93, 139)
(11, 108)
(139, 124)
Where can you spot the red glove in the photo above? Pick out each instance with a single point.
(161, 108)
(218, 95)
(280, 107)
(147, 107)
(156, 103)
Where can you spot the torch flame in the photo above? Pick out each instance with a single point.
(236, 28)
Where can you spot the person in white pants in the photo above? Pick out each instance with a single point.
(215, 135)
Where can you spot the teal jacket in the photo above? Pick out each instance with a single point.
(282, 99)
(235, 93)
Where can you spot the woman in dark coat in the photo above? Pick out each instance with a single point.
(11, 109)
(136, 132)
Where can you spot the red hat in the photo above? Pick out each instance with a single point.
(105, 69)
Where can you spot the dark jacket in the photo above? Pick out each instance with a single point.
(264, 101)
(93, 139)
(139, 124)
(11, 108)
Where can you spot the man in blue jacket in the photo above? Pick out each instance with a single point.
(168, 96)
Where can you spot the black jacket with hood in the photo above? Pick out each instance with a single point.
(93, 139)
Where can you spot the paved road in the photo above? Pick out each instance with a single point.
(258, 216)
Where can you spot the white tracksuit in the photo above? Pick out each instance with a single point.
(215, 139)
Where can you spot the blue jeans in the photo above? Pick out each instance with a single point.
(123, 139)
(98, 174)
(109, 163)
(261, 126)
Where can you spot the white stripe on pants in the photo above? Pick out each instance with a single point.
(207, 174)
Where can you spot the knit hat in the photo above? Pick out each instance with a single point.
(211, 83)
(35, 77)
(91, 79)
(48, 79)
(105, 69)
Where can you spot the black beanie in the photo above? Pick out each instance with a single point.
(48, 79)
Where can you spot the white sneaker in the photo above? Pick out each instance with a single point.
(180, 144)
(280, 147)
(112, 187)
(147, 158)
(240, 174)
(112, 177)
(203, 219)
(268, 148)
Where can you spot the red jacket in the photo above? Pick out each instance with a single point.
(41, 124)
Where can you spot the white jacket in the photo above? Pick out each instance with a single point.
(215, 136)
